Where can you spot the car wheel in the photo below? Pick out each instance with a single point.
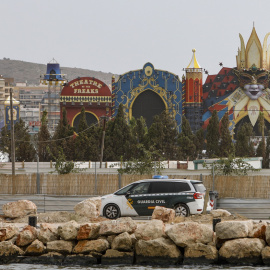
(111, 211)
(181, 210)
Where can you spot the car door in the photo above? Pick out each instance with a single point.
(161, 192)
(139, 198)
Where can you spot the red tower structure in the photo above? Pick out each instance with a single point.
(193, 93)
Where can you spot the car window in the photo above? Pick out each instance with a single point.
(123, 190)
(199, 187)
(169, 187)
(141, 188)
(161, 187)
(181, 186)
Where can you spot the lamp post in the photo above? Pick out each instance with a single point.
(104, 118)
(12, 141)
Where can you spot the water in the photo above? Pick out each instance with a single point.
(132, 267)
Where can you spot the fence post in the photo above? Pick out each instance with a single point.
(50, 164)
(89, 166)
(95, 178)
(38, 176)
(119, 180)
(23, 164)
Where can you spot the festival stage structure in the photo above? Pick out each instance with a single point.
(242, 92)
(55, 80)
(90, 93)
(193, 93)
(147, 92)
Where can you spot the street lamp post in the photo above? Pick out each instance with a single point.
(102, 141)
(12, 141)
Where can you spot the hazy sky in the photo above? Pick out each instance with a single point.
(121, 35)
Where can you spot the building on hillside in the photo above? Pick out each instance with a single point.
(147, 92)
(31, 117)
(2, 100)
(90, 93)
(51, 104)
(5, 85)
(31, 97)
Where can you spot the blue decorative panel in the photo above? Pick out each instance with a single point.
(163, 83)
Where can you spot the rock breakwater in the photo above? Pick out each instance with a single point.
(124, 241)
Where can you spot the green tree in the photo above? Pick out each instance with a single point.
(139, 132)
(199, 141)
(212, 136)
(244, 146)
(5, 141)
(143, 165)
(43, 138)
(162, 135)
(261, 150)
(230, 166)
(63, 137)
(94, 136)
(118, 139)
(82, 150)
(61, 165)
(186, 141)
(267, 151)
(24, 149)
(226, 147)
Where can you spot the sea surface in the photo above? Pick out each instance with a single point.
(115, 267)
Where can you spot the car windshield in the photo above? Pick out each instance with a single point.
(124, 190)
(199, 187)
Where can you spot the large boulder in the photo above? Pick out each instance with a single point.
(69, 230)
(243, 251)
(115, 257)
(233, 229)
(122, 242)
(89, 207)
(266, 255)
(200, 254)
(217, 213)
(158, 251)
(19, 208)
(9, 252)
(267, 234)
(26, 236)
(8, 232)
(120, 225)
(258, 230)
(88, 231)
(167, 215)
(48, 233)
(150, 230)
(88, 246)
(187, 233)
(9, 249)
(60, 246)
(35, 248)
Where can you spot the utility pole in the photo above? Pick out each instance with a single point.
(12, 141)
(102, 140)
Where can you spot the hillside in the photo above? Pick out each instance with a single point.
(25, 71)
